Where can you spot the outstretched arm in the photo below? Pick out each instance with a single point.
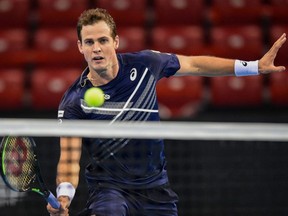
(215, 66)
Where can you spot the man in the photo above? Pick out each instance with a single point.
(127, 176)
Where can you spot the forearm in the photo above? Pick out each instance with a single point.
(68, 173)
(206, 66)
(69, 163)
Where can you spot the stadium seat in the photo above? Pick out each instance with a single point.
(13, 45)
(59, 13)
(236, 12)
(131, 39)
(57, 47)
(278, 11)
(14, 13)
(244, 42)
(13, 39)
(278, 88)
(49, 84)
(236, 91)
(12, 89)
(179, 96)
(179, 12)
(177, 39)
(125, 12)
(275, 32)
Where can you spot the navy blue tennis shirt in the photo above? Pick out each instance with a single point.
(130, 96)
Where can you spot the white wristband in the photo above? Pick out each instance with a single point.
(246, 68)
(65, 189)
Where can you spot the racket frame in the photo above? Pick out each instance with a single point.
(42, 190)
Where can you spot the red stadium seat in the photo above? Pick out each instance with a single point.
(125, 12)
(13, 40)
(49, 84)
(244, 42)
(236, 91)
(12, 89)
(275, 32)
(131, 39)
(13, 44)
(178, 39)
(278, 11)
(233, 12)
(278, 88)
(179, 96)
(60, 13)
(179, 12)
(14, 13)
(57, 46)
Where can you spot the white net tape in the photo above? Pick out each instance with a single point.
(147, 130)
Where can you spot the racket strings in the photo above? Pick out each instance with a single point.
(20, 163)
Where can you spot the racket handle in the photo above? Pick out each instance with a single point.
(52, 200)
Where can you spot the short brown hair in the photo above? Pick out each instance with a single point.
(91, 16)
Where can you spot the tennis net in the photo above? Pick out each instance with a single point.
(215, 168)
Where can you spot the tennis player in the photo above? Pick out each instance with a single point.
(128, 177)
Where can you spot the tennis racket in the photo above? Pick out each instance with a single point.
(20, 168)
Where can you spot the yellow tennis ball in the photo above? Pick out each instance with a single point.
(94, 97)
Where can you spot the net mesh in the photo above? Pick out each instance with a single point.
(211, 175)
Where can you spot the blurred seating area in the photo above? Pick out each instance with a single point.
(39, 57)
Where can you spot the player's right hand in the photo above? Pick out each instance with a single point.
(63, 211)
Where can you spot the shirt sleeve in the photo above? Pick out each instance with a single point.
(69, 108)
(162, 64)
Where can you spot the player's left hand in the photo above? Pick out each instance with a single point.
(266, 63)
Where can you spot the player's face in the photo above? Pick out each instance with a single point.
(98, 47)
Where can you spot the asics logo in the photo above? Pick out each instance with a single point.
(106, 96)
(244, 63)
(133, 74)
